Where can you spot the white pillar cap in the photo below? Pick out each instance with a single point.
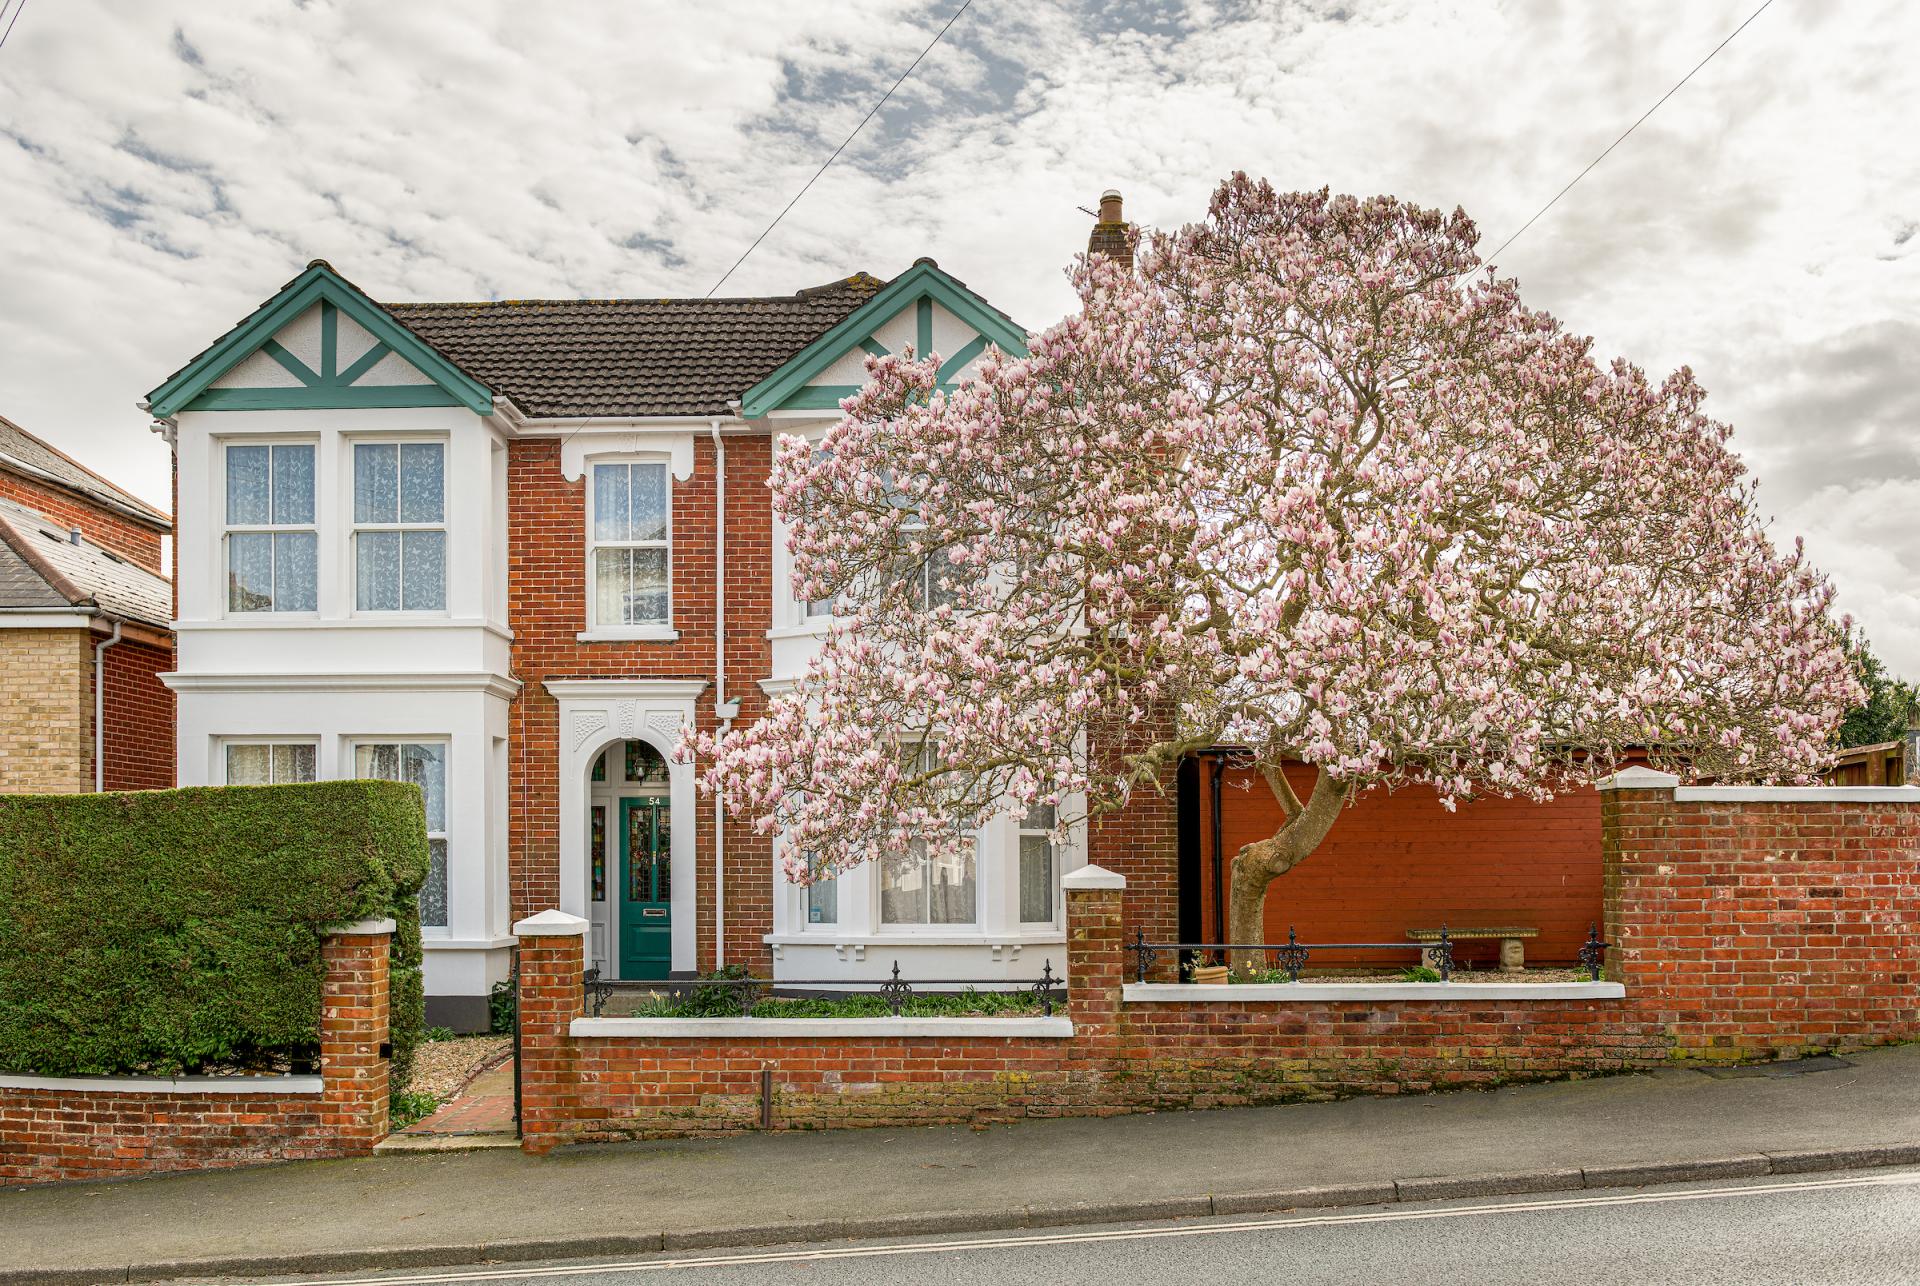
(1093, 877)
(367, 928)
(551, 923)
(1638, 778)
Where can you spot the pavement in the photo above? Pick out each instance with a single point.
(445, 1208)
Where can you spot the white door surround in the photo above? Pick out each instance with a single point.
(595, 714)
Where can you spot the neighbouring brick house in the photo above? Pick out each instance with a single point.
(506, 550)
(84, 637)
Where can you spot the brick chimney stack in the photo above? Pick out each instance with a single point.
(1109, 236)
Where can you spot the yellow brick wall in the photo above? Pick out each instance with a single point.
(46, 711)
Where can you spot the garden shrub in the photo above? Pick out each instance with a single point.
(170, 931)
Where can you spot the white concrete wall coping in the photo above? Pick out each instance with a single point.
(827, 1028)
(1310, 992)
(552, 923)
(1798, 794)
(366, 927)
(1093, 877)
(1638, 778)
(166, 1084)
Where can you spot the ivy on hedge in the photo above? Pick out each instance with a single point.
(163, 932)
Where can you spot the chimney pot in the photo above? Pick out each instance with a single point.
(1110, 234)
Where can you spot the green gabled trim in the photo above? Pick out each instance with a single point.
(875, 347)
(329, 340)
(923, 327)
(819, 397)
(952, 366)
(923, 280)
(363, 363)
(319, 284)
(293, 365)
(324, 398)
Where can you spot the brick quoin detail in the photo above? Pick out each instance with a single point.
(54, 1134)
(1743, 931)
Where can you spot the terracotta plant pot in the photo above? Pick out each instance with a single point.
(1211, 975)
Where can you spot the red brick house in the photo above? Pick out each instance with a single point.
(84, 628)
(506, 549)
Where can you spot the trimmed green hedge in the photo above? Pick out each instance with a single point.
(161, 932)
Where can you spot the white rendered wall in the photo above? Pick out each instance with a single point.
(335, 677)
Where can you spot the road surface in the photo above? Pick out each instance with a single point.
(1859, 1227)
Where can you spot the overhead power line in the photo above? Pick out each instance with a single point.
(16, 17)
(1630, 129)
(836, 151)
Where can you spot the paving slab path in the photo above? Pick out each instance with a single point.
(446, 1208)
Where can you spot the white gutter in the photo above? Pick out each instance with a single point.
(100, 707)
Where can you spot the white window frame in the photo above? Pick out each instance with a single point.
(1019, 832)
(350, 771)
(223, 744)
(224, 578)
(355, 527)
(662, 631)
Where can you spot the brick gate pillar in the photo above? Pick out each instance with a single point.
(1096, 954)
(354, 1033)
(552, 964)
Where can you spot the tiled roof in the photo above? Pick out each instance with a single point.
(21, 451)
(42, 567)
(579, 357)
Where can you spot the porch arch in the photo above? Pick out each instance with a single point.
(595, 714)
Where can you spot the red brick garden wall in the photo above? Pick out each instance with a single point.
(1742, 930)
(59, 1132)
(1401, 861)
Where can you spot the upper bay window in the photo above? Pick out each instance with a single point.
(399, 527)
(272, 550)
(629, 546)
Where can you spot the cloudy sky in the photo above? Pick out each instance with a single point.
(160, 175)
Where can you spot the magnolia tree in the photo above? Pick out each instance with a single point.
(1309, 483)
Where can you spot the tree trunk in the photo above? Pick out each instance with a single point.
(1262, 862)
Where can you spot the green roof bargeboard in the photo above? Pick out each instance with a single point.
(328, 388)
(922, 286)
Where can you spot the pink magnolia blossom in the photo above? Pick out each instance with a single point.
(1306, 482)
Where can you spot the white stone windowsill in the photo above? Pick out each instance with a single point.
(1310, 992)
(823, 1028)
(1027, 937)
(641, 634)
(166, 1084)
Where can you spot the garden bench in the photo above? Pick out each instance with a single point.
(1513, 944)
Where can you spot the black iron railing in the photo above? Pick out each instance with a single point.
(897, 993)
(1292, 956)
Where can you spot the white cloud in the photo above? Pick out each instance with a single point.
(165, 170)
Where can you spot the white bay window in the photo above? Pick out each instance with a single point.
(424, 764)
(270, 763)
(272, 550)
(399, 527)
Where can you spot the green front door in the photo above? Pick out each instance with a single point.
(646, 866)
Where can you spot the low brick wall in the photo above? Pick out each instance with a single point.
(1746, 925)
(61, 1128)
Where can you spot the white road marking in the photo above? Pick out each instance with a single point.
(1904, 1179)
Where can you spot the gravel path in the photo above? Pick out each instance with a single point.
(443, 1068)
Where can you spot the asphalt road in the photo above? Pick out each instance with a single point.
(1862, 1227)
